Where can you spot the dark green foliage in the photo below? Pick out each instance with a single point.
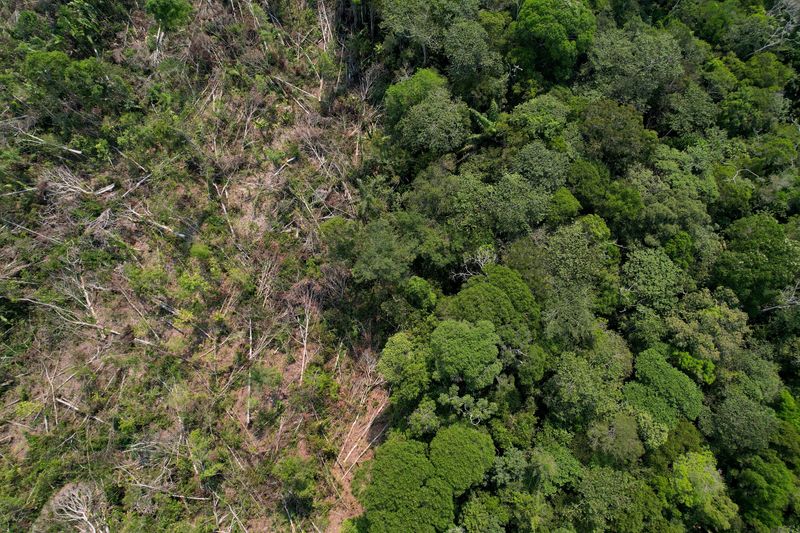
(170, 14)
(635, 66)
(406, 493)
(475, 69)
(550, 35)
(611, 500)
(615, 134)
(501, 297)
(758, 262)
(462, 456)
(767, 490)
(740, 424)
(297, 477)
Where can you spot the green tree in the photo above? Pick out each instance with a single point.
(484, 513)
(462, 455)
(610, 500)
(699, 486)
(404, 368)
(616, 439)
(381, 254)
(759, 261)
(405, 94)
(615, 134)
(298, 481)
(466, 353)
(500, 297)
(765, 489)
(475, 69)
(650, 278)
(635, 66)
(576, 393)
(739, 424)
(437, 125)
(170, 14)
(670, 383)
(550, 35)
(405, 493)
(423, 22)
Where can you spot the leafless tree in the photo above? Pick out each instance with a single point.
(82, 505)
(475, 262)
(786, 14)
(304, 296)
(789, 297)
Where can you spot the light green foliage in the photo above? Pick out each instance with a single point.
(404, 367)
(170, 14)
(654, 434)
(406, 493)
(699, 486)
(670, 383)
(702, 370)
(462, 455)
(788, 409)
(466, 353)
(550, 35)
(405, 94)
(648, 400)
(420, 293)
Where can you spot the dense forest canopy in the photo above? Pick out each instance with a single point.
(400, 265)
